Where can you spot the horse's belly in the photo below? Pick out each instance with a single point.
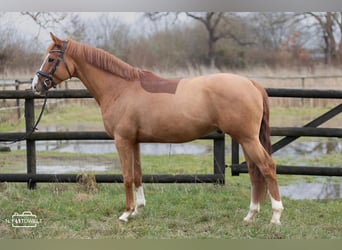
(174, 131)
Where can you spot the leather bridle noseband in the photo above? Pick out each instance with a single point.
(48, 82)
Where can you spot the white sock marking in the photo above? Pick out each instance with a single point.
(140, 201)
(277, 207)
(254, 208)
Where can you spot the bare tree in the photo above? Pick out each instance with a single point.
(338, 22)
(327, 22)
(218, 25)
(273, 28)
(109, 33)
(46, 20)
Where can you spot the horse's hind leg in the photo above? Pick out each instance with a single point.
(258, 189)
(257, 154)
(140, 197)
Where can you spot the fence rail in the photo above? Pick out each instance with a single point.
(100, 135)
(290, 133)
(83, 93)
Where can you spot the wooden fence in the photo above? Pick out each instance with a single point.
(219, 166)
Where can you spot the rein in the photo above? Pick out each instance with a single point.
(34, 128)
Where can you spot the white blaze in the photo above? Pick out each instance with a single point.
(34, 82)
(35, 78)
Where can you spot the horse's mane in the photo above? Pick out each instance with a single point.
(103, 60)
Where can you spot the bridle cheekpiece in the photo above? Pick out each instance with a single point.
(49, 81)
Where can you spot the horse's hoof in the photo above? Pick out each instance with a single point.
(275, 222)
(138, 210)
(124, 217)
(123, 220)
(247, 221)
(276, 216)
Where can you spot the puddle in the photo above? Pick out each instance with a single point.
(145, 148)
(294, 150)
(104, 147)
(71, 169)
(311, 148)
(312, 191)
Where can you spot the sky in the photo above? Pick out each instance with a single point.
(25, 25)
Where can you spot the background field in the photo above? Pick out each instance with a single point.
(173, 210)
(277, 49)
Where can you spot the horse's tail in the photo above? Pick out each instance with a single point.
(265, 140)
(265, 131)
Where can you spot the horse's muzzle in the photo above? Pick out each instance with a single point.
(34, 83)
(39, 87)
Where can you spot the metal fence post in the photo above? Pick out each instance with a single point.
(30, 144)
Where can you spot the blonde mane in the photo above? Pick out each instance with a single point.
(103, 60)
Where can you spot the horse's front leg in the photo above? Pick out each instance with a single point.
(140, 197)
(126, 153)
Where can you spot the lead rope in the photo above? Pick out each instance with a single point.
(34, 128)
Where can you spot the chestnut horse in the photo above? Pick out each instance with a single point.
(139, 106)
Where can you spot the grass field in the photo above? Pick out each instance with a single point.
(68, 211)
(182, 211)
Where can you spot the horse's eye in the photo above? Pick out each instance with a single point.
(50, 60)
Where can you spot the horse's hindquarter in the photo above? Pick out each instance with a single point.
(238, 103)
(232, 102)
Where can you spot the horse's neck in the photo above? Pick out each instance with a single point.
(101, 85)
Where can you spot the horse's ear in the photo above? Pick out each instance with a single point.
(55, 39)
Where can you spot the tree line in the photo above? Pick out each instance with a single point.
(172, 41)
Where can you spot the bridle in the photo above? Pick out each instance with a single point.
(49, 81)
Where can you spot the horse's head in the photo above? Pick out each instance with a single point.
(57, 67)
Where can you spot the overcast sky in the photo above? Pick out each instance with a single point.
(25, 24)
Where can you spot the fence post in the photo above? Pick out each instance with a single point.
(219, 158)
(17, 83)
(30, 144)
(235, 157)
(303, 87)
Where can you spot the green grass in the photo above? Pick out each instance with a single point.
(63, 116)
(181, 211)
(299, 116)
